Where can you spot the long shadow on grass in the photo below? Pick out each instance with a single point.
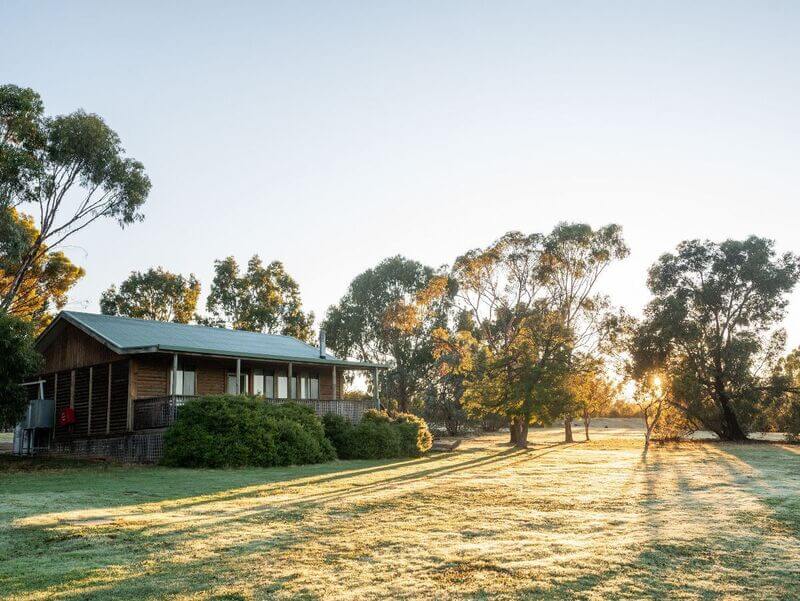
(91, 487)
(668, 564)
(774, 477)
(356, 491)
(30, 557)
(230, 560)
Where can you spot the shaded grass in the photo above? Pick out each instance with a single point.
(590, 521)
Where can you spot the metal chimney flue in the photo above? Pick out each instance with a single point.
(322, 344)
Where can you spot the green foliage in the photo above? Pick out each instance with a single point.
(18, 359)
(711, 329)
(781, 411)
(534, 317)
(378, 321)
(415, 438)
(378, 436)
(71, 168)
(231, 431)
(374, 440)
(337, 430)
(377, 416)
(155, 294)
(444, 409)
(263, 299)
(21, 132)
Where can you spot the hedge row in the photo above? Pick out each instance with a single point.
(378, 435)
(234, 431)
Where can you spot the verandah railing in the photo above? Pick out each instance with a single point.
(160, 412)
(157, 412)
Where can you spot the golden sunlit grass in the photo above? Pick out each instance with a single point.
(588, 520)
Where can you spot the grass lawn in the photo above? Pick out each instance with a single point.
(589, 520)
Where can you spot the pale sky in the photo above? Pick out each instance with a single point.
(331, 135)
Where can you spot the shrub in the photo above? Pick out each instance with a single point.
(374, 440)
(295, 445)
(338, 430)
(377, 416)
(232, 431)
(378, 436)
(414, 434)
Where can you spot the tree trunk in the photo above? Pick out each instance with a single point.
(568, 429)
(731, 430)
(586, 427)
(402, 401)
(512, 428)
(522, 433)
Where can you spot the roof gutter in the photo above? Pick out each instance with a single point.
(314, 360)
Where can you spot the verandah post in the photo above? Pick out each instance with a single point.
(238, 376)
(335, 390)
(174, 374)
(375, 392)
(174, 402)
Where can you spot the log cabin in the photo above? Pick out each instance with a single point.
(110, 386)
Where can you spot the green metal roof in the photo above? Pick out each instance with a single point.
(126, 335)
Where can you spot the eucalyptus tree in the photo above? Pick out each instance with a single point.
(263, 298)
(574, 258)
(68, 171)
(379, 320)
(712, 329)
(538, 320)
(154, 294)
(515, 355)
(593, 393)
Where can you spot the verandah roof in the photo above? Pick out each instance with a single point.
(125, 335)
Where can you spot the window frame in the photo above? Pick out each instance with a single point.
(181, 383)
(244, 383)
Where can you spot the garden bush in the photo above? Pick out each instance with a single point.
(378, 436)
(373, 440)
(232, 431)
(337, 431)
(415, 437)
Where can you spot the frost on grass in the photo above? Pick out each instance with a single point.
(588, 520)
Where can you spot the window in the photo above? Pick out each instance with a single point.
(185, 381)
(309, 386)
(258, 382)
(230, 386)
(269, 386)
(283, 385)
